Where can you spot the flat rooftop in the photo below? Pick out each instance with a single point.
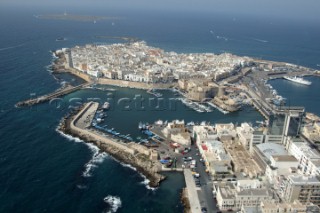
(302, 179)
(284, 158)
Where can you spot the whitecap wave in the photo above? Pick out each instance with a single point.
(69, 137)
(79, 186)
(114, 202)
(128, 166)
(145, 181)
(97, 157)
(222, 38)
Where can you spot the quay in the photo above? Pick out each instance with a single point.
(51, 96)
(192, 192)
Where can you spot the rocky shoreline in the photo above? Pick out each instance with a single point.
(141, 162)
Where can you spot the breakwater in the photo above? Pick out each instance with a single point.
(48, 97)
(143, 159)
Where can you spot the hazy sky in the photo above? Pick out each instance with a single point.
(295, 9)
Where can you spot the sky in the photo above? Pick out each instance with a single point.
(288, 9)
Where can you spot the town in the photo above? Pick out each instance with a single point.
(272, 166)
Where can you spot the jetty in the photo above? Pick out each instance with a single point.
(61, 92)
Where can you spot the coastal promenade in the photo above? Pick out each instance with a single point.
(51, 96)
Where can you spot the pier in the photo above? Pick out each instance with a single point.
(51, 96)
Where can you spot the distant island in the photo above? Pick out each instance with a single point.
(72, 17)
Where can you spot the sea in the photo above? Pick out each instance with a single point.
(43, 170)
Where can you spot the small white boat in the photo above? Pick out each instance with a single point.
(106, 105)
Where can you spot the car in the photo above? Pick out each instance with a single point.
(196, 175)
(204, 209)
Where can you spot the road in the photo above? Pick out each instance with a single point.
(205, 194)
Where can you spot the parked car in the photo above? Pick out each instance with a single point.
(204, 209)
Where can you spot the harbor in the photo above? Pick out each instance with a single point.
(150, 161)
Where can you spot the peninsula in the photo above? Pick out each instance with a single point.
(223, 81)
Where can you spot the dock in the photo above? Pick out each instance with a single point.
(51, 96)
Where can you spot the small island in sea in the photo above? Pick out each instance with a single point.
(72, 17)
(219, 154)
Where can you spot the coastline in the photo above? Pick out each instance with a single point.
(141, 163)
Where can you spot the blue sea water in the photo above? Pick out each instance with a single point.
(43, 171)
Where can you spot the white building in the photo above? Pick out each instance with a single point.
(226, 132)
(248, 184)
(228, 197)
(308, 157)
(281, 165)
(177, 132)
(211, 150)
(245, 133)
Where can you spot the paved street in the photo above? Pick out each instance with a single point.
(205, 194)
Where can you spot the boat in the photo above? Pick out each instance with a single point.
(99, 120)
(144, 126)
(61, 39)
(106, 105)
(297, 80)
(159, 122)
(153, 92)
(147, 132)
(218, 108)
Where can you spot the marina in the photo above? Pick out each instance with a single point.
(201, 108)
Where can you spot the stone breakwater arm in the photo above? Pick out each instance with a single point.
(51, 96)
(131, 153)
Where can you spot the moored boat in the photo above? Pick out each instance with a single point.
(106, 105)
(298, 80)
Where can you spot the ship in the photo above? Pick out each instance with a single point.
(297, 80)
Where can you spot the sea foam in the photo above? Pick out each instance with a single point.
(114, 202)
(97, 156)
